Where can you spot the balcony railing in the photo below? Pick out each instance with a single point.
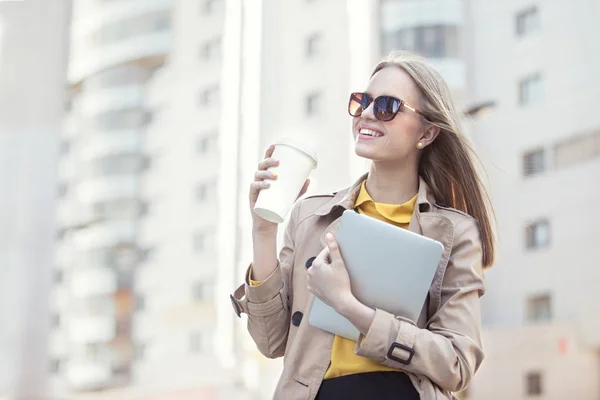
(87, 375)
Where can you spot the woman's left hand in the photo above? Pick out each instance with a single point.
(328, 278)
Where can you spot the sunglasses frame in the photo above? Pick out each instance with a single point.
(373, 100)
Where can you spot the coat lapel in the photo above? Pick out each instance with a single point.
(438, 227)
(343, 201)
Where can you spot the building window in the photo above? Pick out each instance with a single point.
(162, 23)
(143, 208)
(577, 150)
(200, 342)
(313, 104)
(121, 119)
(146, 163)
(534, 162)
(119, 208)
(102, 255)
(530, 90)
(539, 308)
(204, 241)
(62, 190)
(202, 291)
(139, 351)
(65, 147)
(211, 6)
(527, 22)
(436, 41)
(534, 384)
(538, 234)
(60, 234)
(140, 303)
(118, 164)
(125, 255)
(131, 28)
(125, 281)
(208, 144)
(206, 191)
(123, 326)
(314, 45)
(211, 50)
(68, 105)
(209, 96)
(146, 254)
(55, 366)
(58, 276)
(95, 352)
(130, 74)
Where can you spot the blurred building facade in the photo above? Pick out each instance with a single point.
(115, 47)
(179, 326)
(173, 104)
(32, 35)
(541, 146)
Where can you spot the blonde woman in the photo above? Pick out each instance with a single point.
(422, 178)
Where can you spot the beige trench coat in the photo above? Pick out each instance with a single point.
(440, 352)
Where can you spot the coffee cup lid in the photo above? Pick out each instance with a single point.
(299, 145)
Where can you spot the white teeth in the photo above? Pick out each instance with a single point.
(369, 132)
(365, 131)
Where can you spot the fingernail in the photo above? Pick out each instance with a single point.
(329, 237)
(266, 183)
(276, 161)
(273, 175)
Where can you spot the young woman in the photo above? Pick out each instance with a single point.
(422, 178)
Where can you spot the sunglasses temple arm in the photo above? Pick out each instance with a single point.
(411, 109)
(404, 104)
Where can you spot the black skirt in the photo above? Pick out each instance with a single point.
(382, 385)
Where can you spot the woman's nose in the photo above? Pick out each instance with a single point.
(369, 112)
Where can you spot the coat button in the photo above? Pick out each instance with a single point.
(309, 262)
(297, 318)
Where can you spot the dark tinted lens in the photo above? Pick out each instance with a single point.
(355, 105)
(386, 108)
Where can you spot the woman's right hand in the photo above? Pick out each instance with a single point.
(261, 182)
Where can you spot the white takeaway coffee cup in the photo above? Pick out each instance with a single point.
(296, 161)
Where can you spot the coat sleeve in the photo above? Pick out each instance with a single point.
(449, 350)
(268, 303)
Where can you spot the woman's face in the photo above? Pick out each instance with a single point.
(397, 139)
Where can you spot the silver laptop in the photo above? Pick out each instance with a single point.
(390, 268)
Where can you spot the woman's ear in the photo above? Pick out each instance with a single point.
(429, 135)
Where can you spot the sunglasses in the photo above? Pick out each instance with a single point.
(385, 108)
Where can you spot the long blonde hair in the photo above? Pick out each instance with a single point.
(447, 164)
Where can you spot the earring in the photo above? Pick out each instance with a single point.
(420, 145)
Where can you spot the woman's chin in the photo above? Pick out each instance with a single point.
(363, 152)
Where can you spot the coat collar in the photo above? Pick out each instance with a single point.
(345, 200)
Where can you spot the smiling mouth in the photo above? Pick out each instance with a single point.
(370, 132)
